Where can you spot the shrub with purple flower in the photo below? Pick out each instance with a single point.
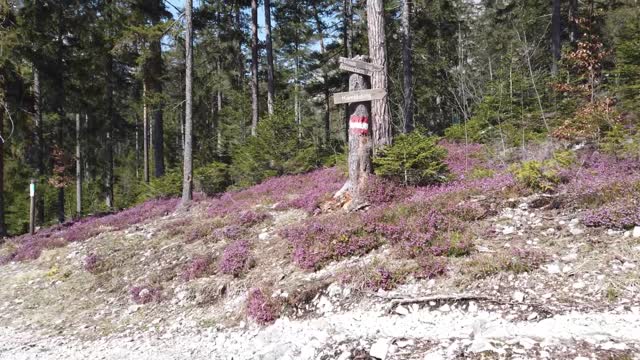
(261, 308)
(197, 268)
(145, 294)
(235, 258)
(621, 214)
(92, 263)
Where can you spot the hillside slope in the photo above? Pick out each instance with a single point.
(480, 267)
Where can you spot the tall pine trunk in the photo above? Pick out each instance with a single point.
(3, 226)
(78, 168)
(380, 113)
(556, 31)
(109, 176)
(38, 143)
(59, 100)
(271, 87)
(154, 86)
(254, 67)
(145, 134)
(187, 183)
(407, 66)
(573, 16)
(347, 13)
(325, 76)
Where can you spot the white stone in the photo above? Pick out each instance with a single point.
(346, 355)
(445, 308)
(552, 268)
(576, 231)
(264, 236)
(628, 266)
(570, 257)
(579, 285)
(566, 269)
(401, 310)
(532, 316)
(636, 232)
(518, 296)
(508, 230)
(380, 349)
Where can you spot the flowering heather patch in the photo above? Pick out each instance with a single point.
(197, 268)
(235, 258)
(260, 308)
(304, 191)
(380, 191)
(92, 263)
(145, 294)
(431, 267)
(462, 159)
(381, 278)
(498, 182)
(250, 218)
(622, 214)
(29, 247)
(319, 240)
(602, 179)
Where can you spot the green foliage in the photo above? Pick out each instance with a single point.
(212, 179)
(170, 185)
(413, 159)
(543, 175)
(275, 150)
(475, 130)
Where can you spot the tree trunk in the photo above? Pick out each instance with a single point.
(556, 31)
(573, 16)
(187, 183)
(59, 100)
(109, 176)
(360, 146)
(270, 68)
(38, 141)
(254, 67)
(218, 125)
(347, 13)
(407, 66)
(3, 226)
(145, 134)
(78, 169)
(154, 86)
(239, 35)
(380, 114)
(325, 77)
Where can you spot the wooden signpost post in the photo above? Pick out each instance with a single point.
(359, 99)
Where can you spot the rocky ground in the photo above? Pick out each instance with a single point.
(576, 298)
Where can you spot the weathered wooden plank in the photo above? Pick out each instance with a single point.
(358, 96)
(359, 66)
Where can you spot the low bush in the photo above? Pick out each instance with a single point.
(145, 294)
(236, 258)
(212, 179)
(261, 308)
(413, 159)
(197, 268)
(92, 263)
(621, 214)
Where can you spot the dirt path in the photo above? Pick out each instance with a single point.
(420, 334)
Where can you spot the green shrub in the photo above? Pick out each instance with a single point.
(170, 185)
(413, 159)
(212, 179)
(536, 175)
(275, 150)
(476, 131)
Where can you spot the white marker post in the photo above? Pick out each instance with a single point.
(32, 209)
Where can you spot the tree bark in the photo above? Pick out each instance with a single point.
(573, 15)
(3, 226)
(325, 76)
(154, 78)
(254, 67)
(347, 13)
(381, 117)
(270, 68)
(360, 146)
(59, 99)
(109, 176)
(78, 168)
(38, 140)
(187, 183)
(407, 66)
(145, 134)
(556, 31)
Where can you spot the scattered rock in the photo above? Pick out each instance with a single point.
(401, 310)
(518, 296)
(579, 285)
(380, 349)
(552, 268)
(636, 232)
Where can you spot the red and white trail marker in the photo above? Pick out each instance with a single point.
(359, 125)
